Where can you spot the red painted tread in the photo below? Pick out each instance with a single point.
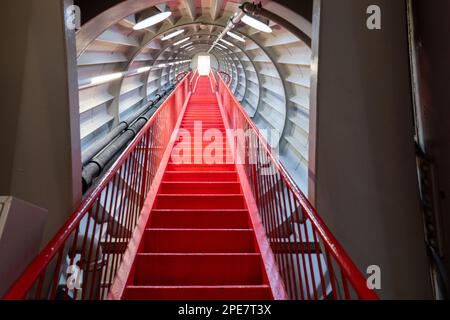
(198, 269)
(171, 218)
(194, 241)
(244, 293)
(200, 201)
(180, 187)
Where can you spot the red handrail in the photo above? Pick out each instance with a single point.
(194, 80)
(180, 75)
(121, 193)
(117, 199)
(278, 195)
(213, 80)
(227, 75)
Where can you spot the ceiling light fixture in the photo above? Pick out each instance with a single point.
(181, 41)
(258, 25)
(235, 36)
(172, 35)
(151, 21)
(186, 45)
(227, 42)
(83, 84)
(221, 46)
(105, 78)
(142, 70)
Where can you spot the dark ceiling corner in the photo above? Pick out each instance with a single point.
(92, 8)
(302, 7)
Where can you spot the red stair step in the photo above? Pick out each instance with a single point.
(209, 148)
(198, 269)
(200, 219)
(200, 201)
(191, 127)
(200, 187)
(199, 241)
(200, 167)
(200, 176)
(244, 293)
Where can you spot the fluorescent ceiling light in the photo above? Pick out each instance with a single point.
(258, 25)
(163, 65)
(172, 35)
(185, 45)
(221, 46)
(235, 36)
(181, 41)
(142, 70)
(151, 21)
(106, 78)
(227, 42)
(114, 76)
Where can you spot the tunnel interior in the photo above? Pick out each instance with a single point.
(125, 66)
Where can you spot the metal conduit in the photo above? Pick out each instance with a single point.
(253, 9)
(245, 8)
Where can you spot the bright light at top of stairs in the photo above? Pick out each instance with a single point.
(258, 25)
(151, 21)
(204, 65)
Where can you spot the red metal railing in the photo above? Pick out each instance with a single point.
(194, 79)
(213, 80)
(81, 261)
(180, 76)
(310, 260)
(227, 75)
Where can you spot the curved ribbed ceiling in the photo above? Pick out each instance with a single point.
(270, 72)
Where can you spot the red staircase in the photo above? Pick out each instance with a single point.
(199, 242)
(155, 228)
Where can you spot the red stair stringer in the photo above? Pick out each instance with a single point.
(126, 267)
(268, 257)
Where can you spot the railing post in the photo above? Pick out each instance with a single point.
(144, 175)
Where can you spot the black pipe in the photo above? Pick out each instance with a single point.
(98, 163)
(102, 143)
